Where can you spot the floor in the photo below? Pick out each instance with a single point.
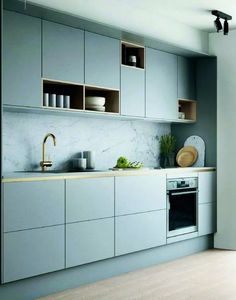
(209, 275)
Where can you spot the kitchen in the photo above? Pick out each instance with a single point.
(82, 233)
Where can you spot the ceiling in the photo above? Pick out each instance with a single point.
(194, 13)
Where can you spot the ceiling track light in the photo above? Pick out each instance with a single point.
(220, 15)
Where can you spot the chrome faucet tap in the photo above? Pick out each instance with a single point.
(46, 163)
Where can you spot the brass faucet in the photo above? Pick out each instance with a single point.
(47, 163)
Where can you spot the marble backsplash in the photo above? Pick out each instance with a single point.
(23, 134)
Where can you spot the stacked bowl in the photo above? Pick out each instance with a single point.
(95, 103)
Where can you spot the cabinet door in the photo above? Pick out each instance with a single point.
(132, 92)
(140, 231)
(207, 187)
(21, 60)
(88, 199)
(33, 204)
(32, 252)
(135, 194)
(186, 78)
(161, 85)
(207, 218)
(89, 241)
(102, 61)
(63, 52)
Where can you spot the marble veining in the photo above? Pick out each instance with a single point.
(23, 134)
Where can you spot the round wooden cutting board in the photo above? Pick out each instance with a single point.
(186, 156)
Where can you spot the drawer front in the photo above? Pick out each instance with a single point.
(89, 241)
(207, 187)
(207, 218)
(33, 204)
(140, 231)
(135, 194)
(32, 252)
(88, 199)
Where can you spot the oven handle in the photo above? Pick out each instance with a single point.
(184, 193)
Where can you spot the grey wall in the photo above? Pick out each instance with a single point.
(23, 135)
(206, 97)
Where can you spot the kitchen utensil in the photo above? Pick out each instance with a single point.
(60, 101)
(79, 163)
(132, 60)
(93, 100)
(90, 156)
(52, 100)
(186, 156)
(199, 144)
(45, 99)
(66, 101)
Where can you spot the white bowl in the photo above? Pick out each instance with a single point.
(93, 100)
(96, 108)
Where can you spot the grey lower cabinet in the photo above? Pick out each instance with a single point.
(21, 61)
(88, 199)
(32, 252)
(33, 204)
(140, 231)
(186, 78)
(132, 91)
(89, 241)
(142, 193)
(62, 52)
(102, 61)
(207, 187)
(161, 85)
(207, 218)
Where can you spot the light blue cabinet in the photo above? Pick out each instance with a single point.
(207, 218)
(132, 91)
(63, 52)
(186, 78)
(161, 85)
(207, 187)
(142, 193)
(32, 252)
(88, 199)
(33, 204)
(102, 61)
(140, 231)
(89, 241)
(21, 68)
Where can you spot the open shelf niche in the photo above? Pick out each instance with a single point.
(76, 92)
(131, 51)
(188, 109)
(112, 104)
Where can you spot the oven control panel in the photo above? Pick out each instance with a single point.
(182, 183)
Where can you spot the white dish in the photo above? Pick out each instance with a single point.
(93, 100)
(97, 108)
(93, 106)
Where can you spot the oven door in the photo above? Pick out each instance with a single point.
(182, 211)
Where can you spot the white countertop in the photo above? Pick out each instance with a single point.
(38, 176)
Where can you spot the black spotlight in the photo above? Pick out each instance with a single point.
(226, 27)
(218, 24)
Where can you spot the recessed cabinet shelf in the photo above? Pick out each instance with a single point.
(132, 55)
(111, 98)
(62, 88)
(187, 110)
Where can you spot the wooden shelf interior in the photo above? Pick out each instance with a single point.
(60, 88)
(128, 49)
(189, 108)
(112, 98)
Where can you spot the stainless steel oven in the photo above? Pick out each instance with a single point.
(182, 203)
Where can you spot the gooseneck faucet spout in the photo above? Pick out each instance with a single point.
(46, 163)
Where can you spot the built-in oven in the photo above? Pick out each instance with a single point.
(182, 204)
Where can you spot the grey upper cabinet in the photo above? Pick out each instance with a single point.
(88, 199)
(186, 78)
(33, 204)
(63, 52)
(136, 194)
(132, 91)
(161, 85)
(21, 60)
(102, 61)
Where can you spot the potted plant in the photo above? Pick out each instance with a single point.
(167, 148)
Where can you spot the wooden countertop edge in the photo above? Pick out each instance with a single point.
(105, 174)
